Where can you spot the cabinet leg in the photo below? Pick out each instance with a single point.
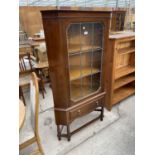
(58, 132)
(68, 133)
(102, 113)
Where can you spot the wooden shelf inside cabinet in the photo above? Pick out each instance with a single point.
(124, 71)
(77, 73)
(122, 93)
(85, 91)
(126, 50)
(76, 49)
(123, 81)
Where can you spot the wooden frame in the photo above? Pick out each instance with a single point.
(36, 137)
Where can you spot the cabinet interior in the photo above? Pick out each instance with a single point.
(85, 50)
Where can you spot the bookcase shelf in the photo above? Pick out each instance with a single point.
(123, 81)
(122, 93)
(121, 75)
(124, 71)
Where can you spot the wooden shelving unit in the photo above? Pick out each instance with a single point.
(121, 76)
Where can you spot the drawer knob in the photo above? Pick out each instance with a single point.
(97, 103)
(79, 111)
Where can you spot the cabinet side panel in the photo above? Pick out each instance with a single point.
(110, 74)
(57, 62)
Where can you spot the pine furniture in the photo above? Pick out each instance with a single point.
(121, 75)
(76, 40)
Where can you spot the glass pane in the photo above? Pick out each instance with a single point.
(86, 37)
(96, 62)
(95, 81)
(85, 54)
(86, 86)
(86, 64)
(75, 89)
(98, 36)
(74, 38)
(75, 67)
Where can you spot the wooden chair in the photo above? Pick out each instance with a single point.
(25, 70)
(29, 133)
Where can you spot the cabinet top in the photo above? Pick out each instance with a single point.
(81, 9)
(77, 12)
(122, 34)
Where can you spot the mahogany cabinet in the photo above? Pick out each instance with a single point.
(76, 42)
(121, 75)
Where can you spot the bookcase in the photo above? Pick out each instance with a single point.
(76, 42)
(121, 75)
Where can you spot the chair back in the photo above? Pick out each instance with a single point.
(25, 64)
(34, 101)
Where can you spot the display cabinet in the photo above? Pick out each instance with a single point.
(76, 42)
(121, 75)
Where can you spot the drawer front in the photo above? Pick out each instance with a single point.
(84, 109)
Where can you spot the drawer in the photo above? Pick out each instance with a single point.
(84, 109)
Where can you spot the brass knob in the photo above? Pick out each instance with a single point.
(79, 111)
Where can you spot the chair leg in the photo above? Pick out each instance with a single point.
(22, 95)
(40, 146)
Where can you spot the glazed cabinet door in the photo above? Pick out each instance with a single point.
(85, 58)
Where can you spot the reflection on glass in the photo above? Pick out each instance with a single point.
(84, 41)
